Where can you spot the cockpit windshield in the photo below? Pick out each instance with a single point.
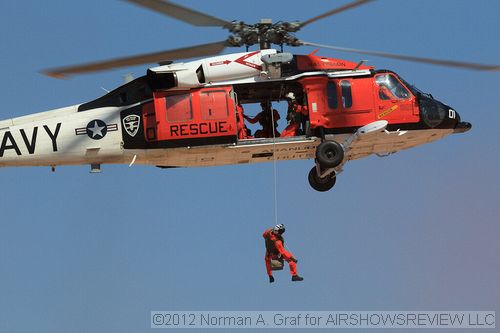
(390, 87)
(414, 89)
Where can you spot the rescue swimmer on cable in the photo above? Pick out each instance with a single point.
(276, 253)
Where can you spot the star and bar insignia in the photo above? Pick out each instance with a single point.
(96, 129)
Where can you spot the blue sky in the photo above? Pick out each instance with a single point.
(415, 231)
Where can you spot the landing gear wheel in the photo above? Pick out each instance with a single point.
(329, 154)
(321, 184)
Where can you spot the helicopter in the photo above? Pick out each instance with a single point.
(190, 114)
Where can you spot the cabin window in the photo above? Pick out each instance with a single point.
(390, 88)
(179, 108)
(214, 105)
(346, 93)
(331, 92)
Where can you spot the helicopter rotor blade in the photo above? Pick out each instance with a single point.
(183, 53)
(182, 13)
(447, 63)
(335, 11)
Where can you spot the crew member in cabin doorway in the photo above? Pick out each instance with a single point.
(295, 116)
(268, 119)
(276, 253)
(243, 131)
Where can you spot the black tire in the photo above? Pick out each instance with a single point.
(321, 184)
(329, 154)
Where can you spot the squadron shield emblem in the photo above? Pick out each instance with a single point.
(131, 124)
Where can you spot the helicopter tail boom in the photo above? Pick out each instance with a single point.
(58, 137)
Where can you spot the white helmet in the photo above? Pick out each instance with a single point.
(290, 95)
(279, 228)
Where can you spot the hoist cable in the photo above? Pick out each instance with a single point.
(274, 167)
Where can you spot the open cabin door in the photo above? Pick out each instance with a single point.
(192, 118)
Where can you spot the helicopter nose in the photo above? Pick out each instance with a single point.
(460, 126)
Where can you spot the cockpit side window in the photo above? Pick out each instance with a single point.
(391, 88)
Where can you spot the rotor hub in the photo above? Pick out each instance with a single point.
(264, 33)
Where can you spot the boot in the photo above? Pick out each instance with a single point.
(271, 279)
(297, 278)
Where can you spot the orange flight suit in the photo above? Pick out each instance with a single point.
(274, 247)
